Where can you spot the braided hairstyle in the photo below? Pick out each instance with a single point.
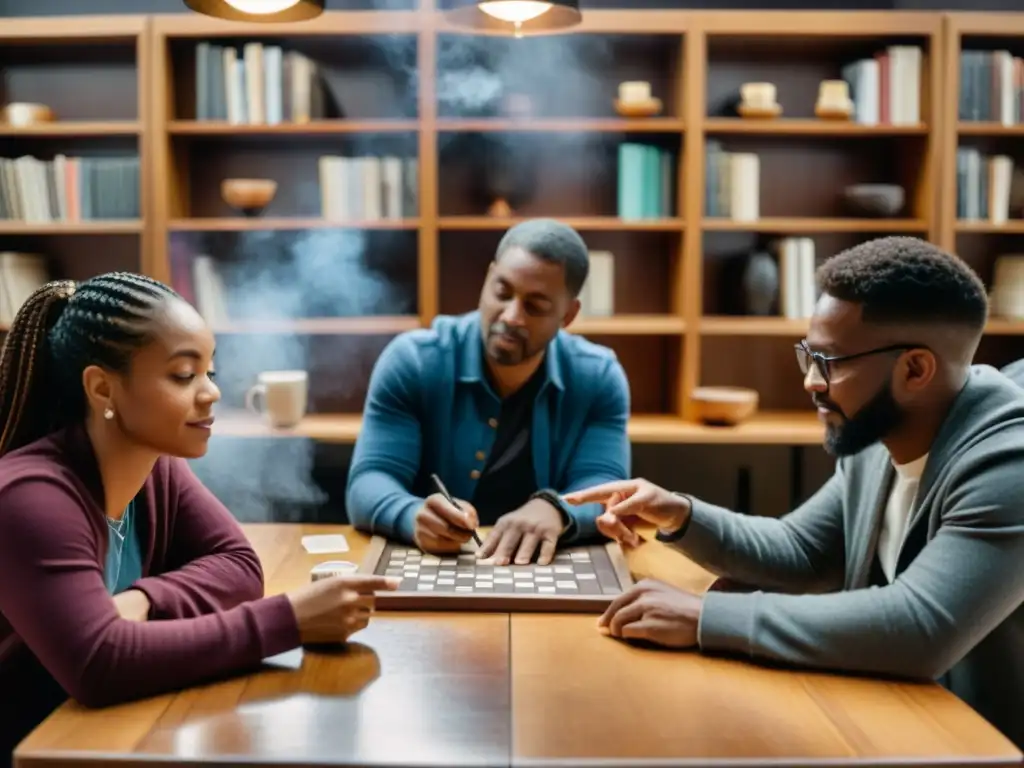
(58, 332)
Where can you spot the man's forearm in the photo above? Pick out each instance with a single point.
(378, 504)
(800, 552)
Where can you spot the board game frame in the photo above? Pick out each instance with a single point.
(502, 602)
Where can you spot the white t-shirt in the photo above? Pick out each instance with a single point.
(897, 513)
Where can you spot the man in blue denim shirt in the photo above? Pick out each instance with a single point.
(506, 407)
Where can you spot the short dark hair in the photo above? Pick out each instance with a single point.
(60, 330)
(552, 241)
(906, 280)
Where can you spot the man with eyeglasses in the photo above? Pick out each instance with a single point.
(909, 561)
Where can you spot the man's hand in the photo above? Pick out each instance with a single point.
(654, 612)
(630, 501)
(133, 605)
(441, 527)
(535, 524)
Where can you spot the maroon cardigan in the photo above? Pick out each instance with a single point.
(208, 618)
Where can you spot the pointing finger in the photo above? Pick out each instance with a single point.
(631, 506)
(600, 492)
(615, 529)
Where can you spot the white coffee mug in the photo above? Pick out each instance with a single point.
(280, 396)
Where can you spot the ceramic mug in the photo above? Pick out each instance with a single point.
(280, 396)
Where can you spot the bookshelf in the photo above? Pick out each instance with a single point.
(329, 291)
(75, 191)
(984, 122)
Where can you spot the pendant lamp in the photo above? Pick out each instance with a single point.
(258, 10)
(516, 16)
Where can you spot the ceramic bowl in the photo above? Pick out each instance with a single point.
(725, 406)
(250, 196)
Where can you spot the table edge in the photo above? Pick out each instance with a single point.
(70, 758)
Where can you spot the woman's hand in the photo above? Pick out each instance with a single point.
(133, 605)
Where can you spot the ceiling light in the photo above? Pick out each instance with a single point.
(516, 16)
(258, 10)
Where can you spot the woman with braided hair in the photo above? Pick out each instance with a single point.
(121, 575)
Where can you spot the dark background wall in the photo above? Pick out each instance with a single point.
(66, 7)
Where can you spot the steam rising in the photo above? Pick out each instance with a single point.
(287, 275)
(559, 73)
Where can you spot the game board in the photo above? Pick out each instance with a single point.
(582, 579)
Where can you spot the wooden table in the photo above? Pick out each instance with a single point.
(523, 690)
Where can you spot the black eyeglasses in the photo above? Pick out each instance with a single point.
(805, 356)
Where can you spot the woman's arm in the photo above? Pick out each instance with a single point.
(209, 565)
(53, 594)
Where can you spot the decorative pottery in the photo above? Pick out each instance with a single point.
(250, 196)
(875, 200)
(758, 101)
(760, 283)
(635, 100)
(22, 113)
(725, 406)
(834, 102)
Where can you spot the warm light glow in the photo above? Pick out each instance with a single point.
(514, 11)
(266, 7)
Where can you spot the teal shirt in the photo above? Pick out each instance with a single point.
(429, 409)
(124, 553)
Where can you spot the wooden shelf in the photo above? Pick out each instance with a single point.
(1000, 327)
(629, 325)
(781, 326)
(243, 224)
(314, 128)
(315, 326)
(583, 223)
(8, 227)
(797, 225)
(563, 125)
(73, 129)
(807, 127)
(330, 24)
(1011, 227)
(752, 326)
(782, 428)
(989, 129)
(87, 28)
(765, 428)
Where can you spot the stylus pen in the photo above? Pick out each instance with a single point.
(444, 492)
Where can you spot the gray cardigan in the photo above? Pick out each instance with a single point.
(955, 612)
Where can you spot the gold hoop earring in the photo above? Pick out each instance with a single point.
(108, 414)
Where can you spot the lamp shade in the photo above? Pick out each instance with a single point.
(515, 16)
(259, 10)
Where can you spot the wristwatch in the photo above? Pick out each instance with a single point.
(555, 500)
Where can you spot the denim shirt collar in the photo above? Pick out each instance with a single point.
(471, 359)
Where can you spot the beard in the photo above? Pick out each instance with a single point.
(513, 355)
(876, 419)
